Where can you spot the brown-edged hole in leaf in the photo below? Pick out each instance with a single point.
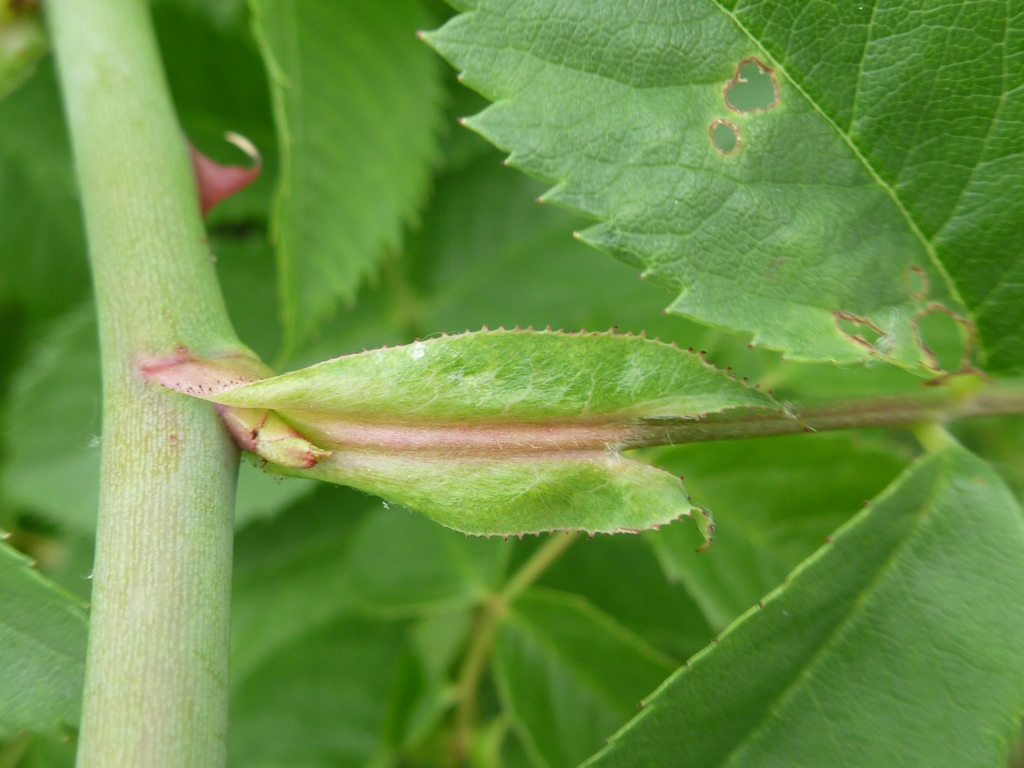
(946, 338)
(725, 137)
(916, 282)
(752, 88)
(860, 329)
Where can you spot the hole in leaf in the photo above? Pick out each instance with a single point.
(725, 136)
(917, 283)
(946, 338)
(753, 87)
(860, 329)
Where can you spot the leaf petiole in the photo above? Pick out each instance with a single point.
(933, 437)
(484, 631)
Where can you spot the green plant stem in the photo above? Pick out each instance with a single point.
(486, 628)
(939, 405)
(533, 568)
(933, 437)
(157, 671)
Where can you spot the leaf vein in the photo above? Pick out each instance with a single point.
(988, 134)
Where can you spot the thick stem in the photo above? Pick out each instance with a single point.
(157, 672)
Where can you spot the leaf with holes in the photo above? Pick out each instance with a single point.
(490, 433)
(823, 175)
(898, 643)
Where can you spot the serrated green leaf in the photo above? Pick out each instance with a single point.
(880, 175)
(461, 147)
(322, 701)
(358, 106)
(487, 254)
(43, 633)
(489, 433)
(569, 676)
(897, 643)
(22, 45)
(775, 501)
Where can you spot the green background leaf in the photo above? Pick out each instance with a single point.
(775, 501)
(42, 245)
(322, 559)
(898, 641)
(621, 576)
(42, 649)
(322, 701)
(569, 675)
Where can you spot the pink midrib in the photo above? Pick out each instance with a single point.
(336, 431)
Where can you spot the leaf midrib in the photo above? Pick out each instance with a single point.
(914, 228)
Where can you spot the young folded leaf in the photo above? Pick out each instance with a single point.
(504, 432)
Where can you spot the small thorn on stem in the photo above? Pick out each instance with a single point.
(217, 182)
